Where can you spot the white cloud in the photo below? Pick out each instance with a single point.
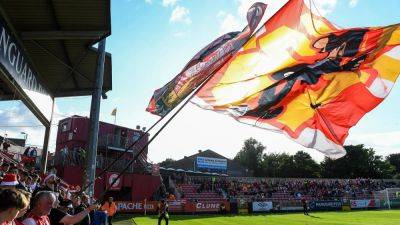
(229, 23)
(15, 118)
(237, 21)
(167, 3)
(180, 14)
(353, 3)
(179, 34)
(148, 1)
(322, 7)
(221, 14)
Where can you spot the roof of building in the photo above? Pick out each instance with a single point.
(187, 163)
(58, 37)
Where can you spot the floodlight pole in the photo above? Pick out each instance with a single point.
(91, 153)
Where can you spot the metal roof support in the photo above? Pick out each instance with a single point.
(91, 153)
(43, 163)
(62, 42)
(72, 70)
(59, 60)
(61, 35)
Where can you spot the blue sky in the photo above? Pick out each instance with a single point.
(153, 39)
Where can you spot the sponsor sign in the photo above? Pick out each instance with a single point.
(15, 62)
(110, 179)
(138, 207)
(151, 206)
(262, 206)
(211, 163)
(364, 203)
(176, 206)
(325, 205)
(210, 206)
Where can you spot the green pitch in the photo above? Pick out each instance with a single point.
(385, 217)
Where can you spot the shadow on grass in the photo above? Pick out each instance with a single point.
(316, 217)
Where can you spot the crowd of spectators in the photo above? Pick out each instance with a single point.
(312, 189)
(30, 198)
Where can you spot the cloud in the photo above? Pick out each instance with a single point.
(180, 34)
(229, 23)
(167, 3)
(148, 1)
(180, 14)
(15, 118)
(322, 7)
(236, 21)
(353, 3)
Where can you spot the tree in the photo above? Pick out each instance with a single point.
(394, 159)
(283, 165)
(286, 166)
(167, 163)
(250, 156)
(271, 165)
(305, 166)
(358, 162)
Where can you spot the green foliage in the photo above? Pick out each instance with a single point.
(167, 163)
(250, 156)
(358, 162)
(394, 159)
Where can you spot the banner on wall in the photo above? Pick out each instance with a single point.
(325, 205)
(364, 203)
(211, 163)
(174, 206)
(262, 206)
(211, 206)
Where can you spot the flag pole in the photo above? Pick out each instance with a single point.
(156, 134)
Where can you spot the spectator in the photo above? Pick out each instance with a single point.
(110, 208)
(60, 216)
(22, 179)
(33, 152)
(41, 205)
(79, 206)
(5, 167)
(50, 183)
(13, 204)
(26, 152)
(64, 155)
(9, 181)
(6, 145)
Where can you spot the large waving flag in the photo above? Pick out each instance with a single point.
(204, 64)
(302, 76)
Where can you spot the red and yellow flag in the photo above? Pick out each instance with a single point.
(204, 64)
(301, 75)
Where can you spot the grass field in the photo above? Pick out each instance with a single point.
(325, 218)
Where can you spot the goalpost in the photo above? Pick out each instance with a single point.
(388, 198)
